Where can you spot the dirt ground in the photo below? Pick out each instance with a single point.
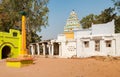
(54, 67)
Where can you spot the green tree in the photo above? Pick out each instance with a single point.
(87, 21)
(117, 24)
(117, 18)
(117, 4)
(106, 16)
(37, 16)
(4, 19)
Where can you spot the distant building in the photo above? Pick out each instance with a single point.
(99, 40)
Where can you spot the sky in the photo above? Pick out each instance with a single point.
(59, 11)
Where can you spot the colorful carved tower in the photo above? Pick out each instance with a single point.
(71, 25)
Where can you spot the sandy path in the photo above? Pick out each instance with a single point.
(48, 67)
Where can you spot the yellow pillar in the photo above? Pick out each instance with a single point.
(23, 50)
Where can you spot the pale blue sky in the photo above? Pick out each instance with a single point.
(60, 10)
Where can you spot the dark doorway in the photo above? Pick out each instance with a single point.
(5, 52)
(56, 49)
(41, 50)
(46, 49)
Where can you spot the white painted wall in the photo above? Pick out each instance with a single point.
(114, 50)
(61, 37)
(117, 44)
(108, 28)
(68, 49)
(80, 33)
(82, 51)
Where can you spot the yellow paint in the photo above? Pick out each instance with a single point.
(19, 64)
(23, 50)
(13, 64)
(12, 41)
(69, 35)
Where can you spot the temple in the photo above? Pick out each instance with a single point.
(71, 25)
(99, 40)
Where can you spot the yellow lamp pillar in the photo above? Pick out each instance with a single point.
(23, 49)
(23, 60)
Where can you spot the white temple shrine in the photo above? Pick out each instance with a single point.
(99, 40)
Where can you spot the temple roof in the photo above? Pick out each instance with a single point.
(72, 22)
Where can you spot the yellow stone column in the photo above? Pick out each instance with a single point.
(24, 49)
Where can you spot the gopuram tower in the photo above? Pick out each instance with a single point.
(71, 25)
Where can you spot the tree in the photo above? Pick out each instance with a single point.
(37, 18)
(117, 24)
(117, 4)
(4, 19)
(87, 21)
(106, 16)
(117, 18)
(37, 15)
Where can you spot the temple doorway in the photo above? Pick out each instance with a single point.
(56, 49)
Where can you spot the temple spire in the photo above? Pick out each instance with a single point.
(72, 22)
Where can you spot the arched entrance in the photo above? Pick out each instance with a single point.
(5, 52)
